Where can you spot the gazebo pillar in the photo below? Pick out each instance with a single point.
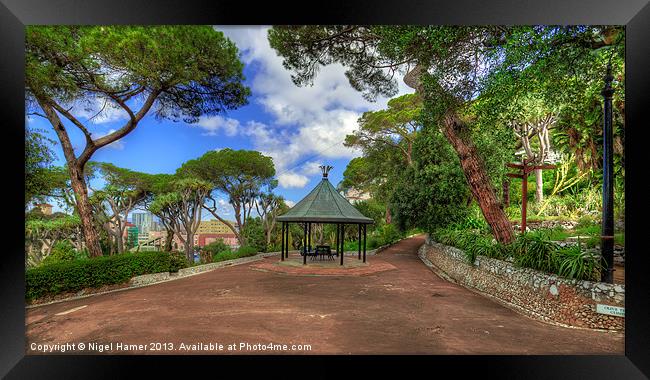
(338, 233)
(286, 239)
(359, 241)
(309, 237)
(342, 241)
(282, 244)
(365, 237)
(304, 245)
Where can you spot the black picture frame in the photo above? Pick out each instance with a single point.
(635, 14)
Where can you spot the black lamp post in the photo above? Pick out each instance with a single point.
(607, 234)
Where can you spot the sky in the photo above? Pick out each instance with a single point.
(300, 128)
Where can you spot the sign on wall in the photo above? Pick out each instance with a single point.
(610, 310)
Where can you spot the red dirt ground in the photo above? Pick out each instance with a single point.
(407, 310)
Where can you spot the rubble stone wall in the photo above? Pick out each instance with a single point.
(540, 295)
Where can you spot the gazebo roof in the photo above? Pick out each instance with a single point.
(324, 205)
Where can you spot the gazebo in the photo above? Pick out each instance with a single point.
(324, 205)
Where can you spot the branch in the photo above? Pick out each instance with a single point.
(126, 129)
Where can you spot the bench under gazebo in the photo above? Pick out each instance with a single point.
(324, 205)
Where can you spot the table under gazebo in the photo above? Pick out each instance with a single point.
(324, 205)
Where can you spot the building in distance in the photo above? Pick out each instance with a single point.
(353, 195)
(45, 208)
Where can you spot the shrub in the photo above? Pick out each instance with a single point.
(71, 276)
(216, 247)
(230, 255)
(177, 261)
(574, 263)
(533, 250)
(389, 234)
(247, 251)
(253, 232)
(62, 251)
(372, 243)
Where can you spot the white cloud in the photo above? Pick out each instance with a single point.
(289, 203)
(309, 122)
(311, 168)
(215, 124)
(291, 179)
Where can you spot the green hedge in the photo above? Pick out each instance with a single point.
(71, 276)
(231, 255)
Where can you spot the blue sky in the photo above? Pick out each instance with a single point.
(299, 127)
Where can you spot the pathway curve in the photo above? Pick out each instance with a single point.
(407, 310)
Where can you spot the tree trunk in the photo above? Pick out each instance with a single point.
(75, 169)
(268, 234)
(473, 168)
(539, 186)
(189, 246)
(477, 179)
(505, 188)
(168, 240)
(91, 236)
(120, 244)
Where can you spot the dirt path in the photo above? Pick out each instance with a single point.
(407, 310)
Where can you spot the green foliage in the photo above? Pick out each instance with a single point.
(235, 172)
(374, 210)
(240, 174)
(394, 128)
(231, 255)
(358, 175)
(472, 243)
(216, 247)
(39, 227)
(72, 276)
(195, 69)
(533, 250)
(433, 192)
(389, 234)
(38, 159)
(573, 262)
(483, 75)
(473, 221)
(63, 251)
(384, 235)
(177, 261)
(253, 233)
(247, 251)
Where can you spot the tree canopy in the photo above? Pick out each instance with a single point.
(239, 174)
(179, 72)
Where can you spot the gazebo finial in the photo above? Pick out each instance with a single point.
(325, 169)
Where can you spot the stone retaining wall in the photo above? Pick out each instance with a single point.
(540, 295)
(147, 279)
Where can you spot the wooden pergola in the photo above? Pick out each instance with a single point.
(326, 206)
